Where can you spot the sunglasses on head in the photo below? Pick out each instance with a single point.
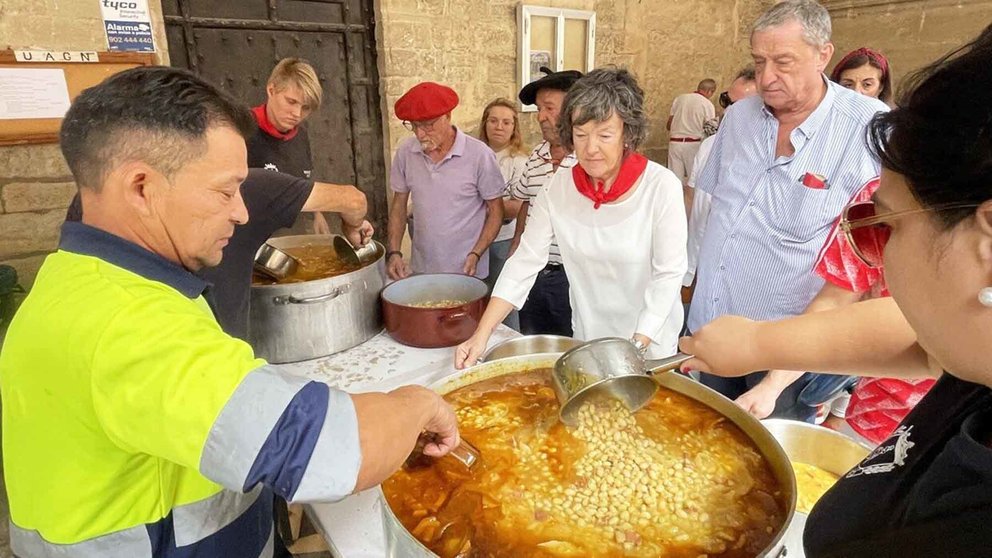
(725, 100)
(867, 232)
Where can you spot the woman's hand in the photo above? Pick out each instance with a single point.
(468, 353)
(727, 346)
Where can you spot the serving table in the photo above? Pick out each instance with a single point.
(353, 527)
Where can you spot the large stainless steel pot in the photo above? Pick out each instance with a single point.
(818, 446)
(301, 321)
(401, 544)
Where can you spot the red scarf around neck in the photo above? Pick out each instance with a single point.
(263, 122)
(630, 170)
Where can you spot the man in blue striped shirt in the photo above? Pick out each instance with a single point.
(783, 166)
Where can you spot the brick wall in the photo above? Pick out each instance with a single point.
(911, 33)
(35, 184)
(471, 45)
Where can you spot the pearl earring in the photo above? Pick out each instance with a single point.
(985, 296)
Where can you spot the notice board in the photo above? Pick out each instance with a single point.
(80, 70)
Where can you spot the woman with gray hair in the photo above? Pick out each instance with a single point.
(619, 221)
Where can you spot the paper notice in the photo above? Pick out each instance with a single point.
(32, 93)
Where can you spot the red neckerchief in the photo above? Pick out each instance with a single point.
(263, 122)
(630, 170)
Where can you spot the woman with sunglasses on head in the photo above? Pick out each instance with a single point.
(865, 71)
(927, 491)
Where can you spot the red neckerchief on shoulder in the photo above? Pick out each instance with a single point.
(631, 169)
(263, 122)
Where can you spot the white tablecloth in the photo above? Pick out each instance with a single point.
(353, 526)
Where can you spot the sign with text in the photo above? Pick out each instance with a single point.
(129, 27)
(32, 93)
(50, 56)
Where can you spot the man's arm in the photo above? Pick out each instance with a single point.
(345, 199)
(395, 264)
(668, 125)
(494, 220)
(241, 422)
(389, 425)
(518, 230)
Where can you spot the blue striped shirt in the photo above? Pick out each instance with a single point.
(765, 227)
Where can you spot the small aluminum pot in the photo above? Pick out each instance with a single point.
(530, 345)
(431, 328)
(275, 263)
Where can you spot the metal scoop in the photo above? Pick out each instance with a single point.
(355, 256)
(275, 263)
(465, 453)
(609, 367)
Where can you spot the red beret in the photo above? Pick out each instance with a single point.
(426, 101)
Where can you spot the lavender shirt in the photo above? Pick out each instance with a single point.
(449, 201)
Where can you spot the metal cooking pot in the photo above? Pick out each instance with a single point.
(431, 328)
(817, 446)
(300, 321)
(275, 263)
(401, 544)
(529, 345)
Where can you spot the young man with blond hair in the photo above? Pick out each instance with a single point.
(281, 143)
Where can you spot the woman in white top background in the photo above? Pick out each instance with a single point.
(500, 130)
(619, 220)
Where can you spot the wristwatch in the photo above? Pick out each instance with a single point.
(639, 345)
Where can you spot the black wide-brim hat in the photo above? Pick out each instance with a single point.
(562, 81)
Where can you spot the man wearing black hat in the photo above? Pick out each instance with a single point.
(547, 309)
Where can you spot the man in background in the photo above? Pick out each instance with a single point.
(690, 111)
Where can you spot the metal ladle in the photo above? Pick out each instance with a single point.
(355, 256)
(465, 453)
(610, 367)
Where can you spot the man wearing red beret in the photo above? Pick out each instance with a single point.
(457, 187)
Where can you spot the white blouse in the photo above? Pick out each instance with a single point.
(512, 167)
(625, 261)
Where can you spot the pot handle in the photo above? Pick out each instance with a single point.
(665, 364)
(455, 316)
(290, 299)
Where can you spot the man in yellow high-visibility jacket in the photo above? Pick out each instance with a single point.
(132, 425)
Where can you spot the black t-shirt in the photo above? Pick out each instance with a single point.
(926, 491)
(287, 156)
(274, 200)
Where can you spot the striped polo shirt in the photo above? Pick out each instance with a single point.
(537, 173)
(766, 225)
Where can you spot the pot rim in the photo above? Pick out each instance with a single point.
(471, 278)
(323, 280)
(752, 428)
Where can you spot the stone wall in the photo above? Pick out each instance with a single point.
(911, 33)
(35, 184)
(471, 45)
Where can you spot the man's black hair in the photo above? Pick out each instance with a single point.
(155, 114)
